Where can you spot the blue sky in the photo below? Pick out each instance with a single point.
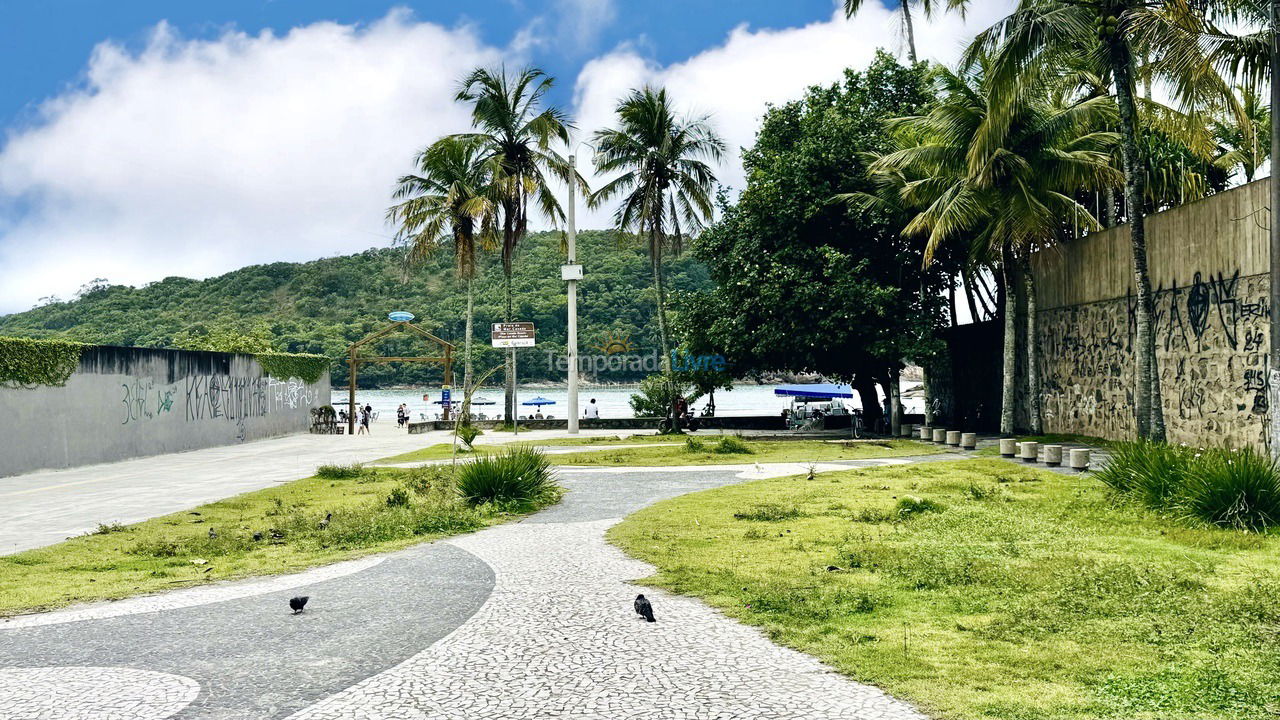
(145, 139)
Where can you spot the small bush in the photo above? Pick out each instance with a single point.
(1150, 472)
(399, 497)
(770, 512)
(108, 528)
(873, 515)
(423, 479)
(340, 472)
(911, 505)
(730, 445)
(1234, 489)
(519, 475)
(468, 434)
(694, 445)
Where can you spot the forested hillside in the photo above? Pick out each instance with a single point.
(323, 305)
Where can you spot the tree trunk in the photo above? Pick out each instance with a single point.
(466, 350)
(1109, 208)
(866, 388)
(974, 316)
(509, 400)
(655, 258)
(895, 401)
(1149, 407)
(951, 301)
(1008, 387)
(1034, 421)
(910, 30)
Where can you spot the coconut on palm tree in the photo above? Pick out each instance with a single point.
(663, 180)
(517, 135)
(447, 203)
(999, 172)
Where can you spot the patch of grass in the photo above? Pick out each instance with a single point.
(340, 472)
(806, 451)
(730, 445)
(694, 445)
(1047, 600)
(266, 532)
(519, 476)
(770, 512)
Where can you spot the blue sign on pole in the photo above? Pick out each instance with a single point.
(444, 396)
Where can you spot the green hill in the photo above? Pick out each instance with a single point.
(323, 305)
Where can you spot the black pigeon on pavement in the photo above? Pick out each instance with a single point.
(644, 609)
(324, 524)
(297, 603)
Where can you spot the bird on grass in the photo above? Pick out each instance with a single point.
(324, 524)
(257, 536)
(213, 534)
(297, 603)
(643, 608)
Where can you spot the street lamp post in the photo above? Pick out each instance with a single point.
(571, 273)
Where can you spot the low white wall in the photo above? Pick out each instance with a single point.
(132, 402)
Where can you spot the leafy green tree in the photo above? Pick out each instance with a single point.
(999, 173)
(517, 134)
(663, 179)
(805, 284)
(929, 7)
(225, 337)
(449, 203)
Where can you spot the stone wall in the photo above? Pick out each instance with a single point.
(132, 402)
(1208, 264)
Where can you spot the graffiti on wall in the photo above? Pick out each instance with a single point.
(1211, 345)
(211, 397)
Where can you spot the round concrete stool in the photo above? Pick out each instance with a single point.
(968, 441)
(940, 435)
(1078, 459)
(1029, 451)
(1053, 455)
(904, 430)
(953, 437)
(1008, 447)
(926, 432)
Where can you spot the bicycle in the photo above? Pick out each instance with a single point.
(856, 424)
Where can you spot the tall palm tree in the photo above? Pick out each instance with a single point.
(1244, 145)
(1000, 171)
(1044, 34)
(929, 7)
(664, 179)
(517, 136)
(448, 203)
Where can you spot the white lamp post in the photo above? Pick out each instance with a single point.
(572, 273)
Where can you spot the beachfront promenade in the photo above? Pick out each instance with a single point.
(45, 507)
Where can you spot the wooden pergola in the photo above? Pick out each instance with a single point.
(355, 360)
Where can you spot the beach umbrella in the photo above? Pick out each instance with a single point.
(539, 401)
(483, 401)
(441, 402)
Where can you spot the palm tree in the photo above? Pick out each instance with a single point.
(1244, 145)
(448, 203)
(663, 177)
(851, 8)
(999, 172)
(516, 135)
(1041, 35)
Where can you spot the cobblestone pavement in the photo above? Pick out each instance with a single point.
(531, 619)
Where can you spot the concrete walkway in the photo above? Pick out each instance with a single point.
(526, 620)
(48, 506)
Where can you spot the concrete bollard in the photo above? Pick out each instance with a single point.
(1030, 450)
(905, 430)
(1053, 455)
(1078, 458)
(968, 441)
(940, 435)
(1008, 447)
(953, 437)
(926, 432)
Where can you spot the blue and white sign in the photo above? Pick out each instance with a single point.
(400, 316)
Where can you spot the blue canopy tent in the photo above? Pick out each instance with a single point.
(814, 391)
(539, 401)
(803, 417)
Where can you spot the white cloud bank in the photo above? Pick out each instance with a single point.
(195, 157)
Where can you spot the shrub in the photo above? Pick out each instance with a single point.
(1152, 473)
(519, 475)
(770, 512)
(399, 497)
(423, 479)
(1235, 489)
(911, 505)
(468, 433)
(340, 472)
(730, 445)
(694, 445)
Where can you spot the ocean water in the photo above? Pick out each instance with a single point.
(613, 401)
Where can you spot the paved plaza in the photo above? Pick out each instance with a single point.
(526, 620)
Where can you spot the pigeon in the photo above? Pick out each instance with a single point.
(324, 524)
(213, 534)
(276, 534)
(257, 536)
(297, 603)
(643, 608)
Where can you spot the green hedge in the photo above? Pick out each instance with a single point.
(25, 362)
(300, 365)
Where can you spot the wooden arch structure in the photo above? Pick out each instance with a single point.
(355, 361)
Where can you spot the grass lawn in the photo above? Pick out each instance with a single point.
(761, 451)
(444, 451)
(1003, 591)
(177, 550)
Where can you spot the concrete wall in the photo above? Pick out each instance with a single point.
(131, 402)
(1208, 264)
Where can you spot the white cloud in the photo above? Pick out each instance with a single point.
(194, 157)
(735, 81)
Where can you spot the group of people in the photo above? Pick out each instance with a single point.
(363, 416)
(403, 415)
